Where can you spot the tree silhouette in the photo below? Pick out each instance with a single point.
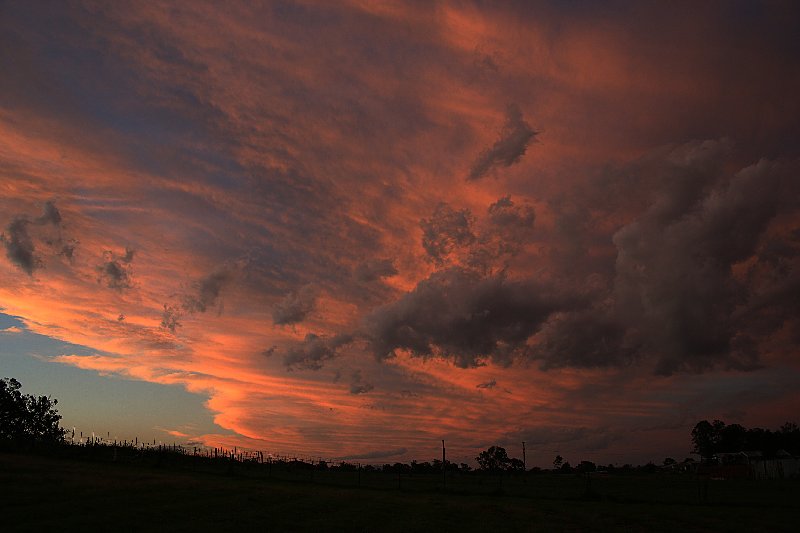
(495, 458)
(24, 417)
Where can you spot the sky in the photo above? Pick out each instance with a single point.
(351, 230)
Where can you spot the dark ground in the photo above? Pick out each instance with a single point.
(40, 493)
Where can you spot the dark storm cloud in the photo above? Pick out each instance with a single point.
(208, 292)
(115, 270)
(312, 353)
(375, 269)
(505, 214)
(585, 339)
(445, 231)
(461, 315)
(674, 269)
(358, 385)
(509, 229)
(508, 149)
(295, 307)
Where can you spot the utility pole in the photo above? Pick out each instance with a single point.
(444, 466)
(524, 464)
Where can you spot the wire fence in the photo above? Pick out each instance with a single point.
(635, 487)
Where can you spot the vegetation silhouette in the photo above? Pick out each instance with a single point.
(713, 438)
(499, 479)
(27, 419)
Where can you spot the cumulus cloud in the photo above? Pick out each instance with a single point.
(463, 316)
(116, 270)
(375, 269)
(674, 269)
(514, 139)
(312, 353)
(446, 230)
(295, 307)
(358, 385)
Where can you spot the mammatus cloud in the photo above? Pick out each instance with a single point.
(358, 385)
(115, 271)
(19, 244)
(375, 269)
(295, 307)
(312, 353)
(514, 139)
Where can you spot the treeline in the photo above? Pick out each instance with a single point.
(712, 438)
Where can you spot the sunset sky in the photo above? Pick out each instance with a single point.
(353, 229)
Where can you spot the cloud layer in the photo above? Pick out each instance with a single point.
(267, 206)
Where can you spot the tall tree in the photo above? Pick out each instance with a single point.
(24, 417)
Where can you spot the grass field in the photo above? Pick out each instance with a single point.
(47, 494)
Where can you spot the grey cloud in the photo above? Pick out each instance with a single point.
(492, 383)
(505, 214)
(674, 278)
(463, 316)
(115, 270)
(19, 244)
(51, 214)
(375, 269)
(312, 353)
(295, 307)
(358, 385)
(208, 292)
(170, 318)
(508, 149)
(586, 338)
(510, 228)
(20, 249)
(68, 248)
(445, 231)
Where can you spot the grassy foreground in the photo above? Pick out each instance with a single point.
(46, 494)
